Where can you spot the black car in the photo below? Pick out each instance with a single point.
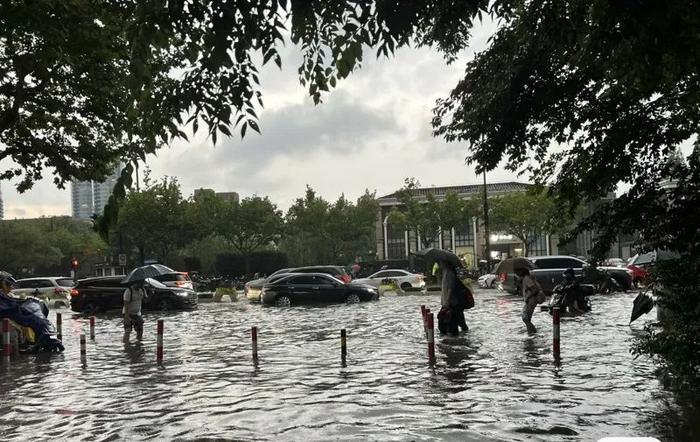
(106, 293)
(314, 288)
(253, 288)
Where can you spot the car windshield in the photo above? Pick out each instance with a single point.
(65, 282)
(173, 277)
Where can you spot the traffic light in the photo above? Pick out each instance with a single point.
(74, 263)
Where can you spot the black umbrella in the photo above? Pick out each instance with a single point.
(439, 255)
(642, 305)
(509, 265)
(145, 272)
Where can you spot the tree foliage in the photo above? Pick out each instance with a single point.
(45, 246)
(250, 225)
(84, 83)
(318, 232)
(527, 215)
(153, 219)
(426, 215)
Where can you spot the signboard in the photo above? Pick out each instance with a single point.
(122, 259)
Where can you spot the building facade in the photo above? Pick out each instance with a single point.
(90, 197)
(101, 191)
(2, 206)
(467, 239)
(231, 197)
(81, 199)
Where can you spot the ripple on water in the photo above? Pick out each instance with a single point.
(493, 383)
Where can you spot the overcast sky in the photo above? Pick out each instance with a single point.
(370, 133)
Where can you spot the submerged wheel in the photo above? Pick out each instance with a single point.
(353, 298)
(283, 301)
(405, 286)
(164, 305)
(493, 284)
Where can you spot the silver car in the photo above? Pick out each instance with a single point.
(53, 290)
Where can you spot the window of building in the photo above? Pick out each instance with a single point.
(396, 243)
(464, 236)
(538, 245)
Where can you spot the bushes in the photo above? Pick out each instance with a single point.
(264, 262)
(675, 342)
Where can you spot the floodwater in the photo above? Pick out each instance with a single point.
(493, 383)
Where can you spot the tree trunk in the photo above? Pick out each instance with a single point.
(142, 254)
(246, 258)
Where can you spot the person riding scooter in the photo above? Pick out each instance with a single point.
(574, 297)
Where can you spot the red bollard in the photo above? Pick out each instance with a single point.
(555, 332)
(431, 339)
(254, 338)
(59, 327)
(92, 328)
(422, 314)
(6, 344)
(343, 343)
(83, 350)
(159, 342)
(427, 314)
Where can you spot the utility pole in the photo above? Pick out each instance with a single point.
(487, 246)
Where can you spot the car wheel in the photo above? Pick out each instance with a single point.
(493, 284)
(353, 298)
(405, 286)
(90, 308)
(164, 305)
(283, 301)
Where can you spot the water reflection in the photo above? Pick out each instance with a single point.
(495, 382)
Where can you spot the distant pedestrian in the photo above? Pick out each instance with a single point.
(532, 294)
(453, 300)
(133, 300)
(355, 269)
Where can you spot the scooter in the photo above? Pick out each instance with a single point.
(28, 319)
(572, 299)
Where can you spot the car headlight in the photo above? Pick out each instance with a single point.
(179, 293)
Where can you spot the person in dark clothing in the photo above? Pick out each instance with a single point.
(453, 299)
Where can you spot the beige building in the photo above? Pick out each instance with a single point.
(467, 240)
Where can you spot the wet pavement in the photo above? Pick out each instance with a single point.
(494, 383)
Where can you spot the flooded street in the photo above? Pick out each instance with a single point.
(495, 382)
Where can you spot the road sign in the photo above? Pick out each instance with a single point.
(122, 259)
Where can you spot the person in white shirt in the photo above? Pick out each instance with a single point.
(133, 298)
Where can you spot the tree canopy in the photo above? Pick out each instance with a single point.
(426, 215)
(85, 83)
(526, 215)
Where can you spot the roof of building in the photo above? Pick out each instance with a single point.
(467, 189)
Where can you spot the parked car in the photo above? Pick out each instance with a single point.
(488, 281)
(53, 290)
(549, 269)
(614, 262)
(402, 278)
(640, 263)
(106, 293)
(176, 279)
(314, 288)
(253, 288)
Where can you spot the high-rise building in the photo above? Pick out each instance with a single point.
(101, 191)
(231, 197)
(90, 197)
(81, 199)
(2, 206)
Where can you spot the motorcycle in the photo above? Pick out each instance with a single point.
(571, 298)
(28, 320)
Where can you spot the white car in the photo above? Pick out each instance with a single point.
(488, 281)
(403, 279)
(54, 290)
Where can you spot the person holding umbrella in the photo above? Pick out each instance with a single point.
(133, 300)
(533, 295)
